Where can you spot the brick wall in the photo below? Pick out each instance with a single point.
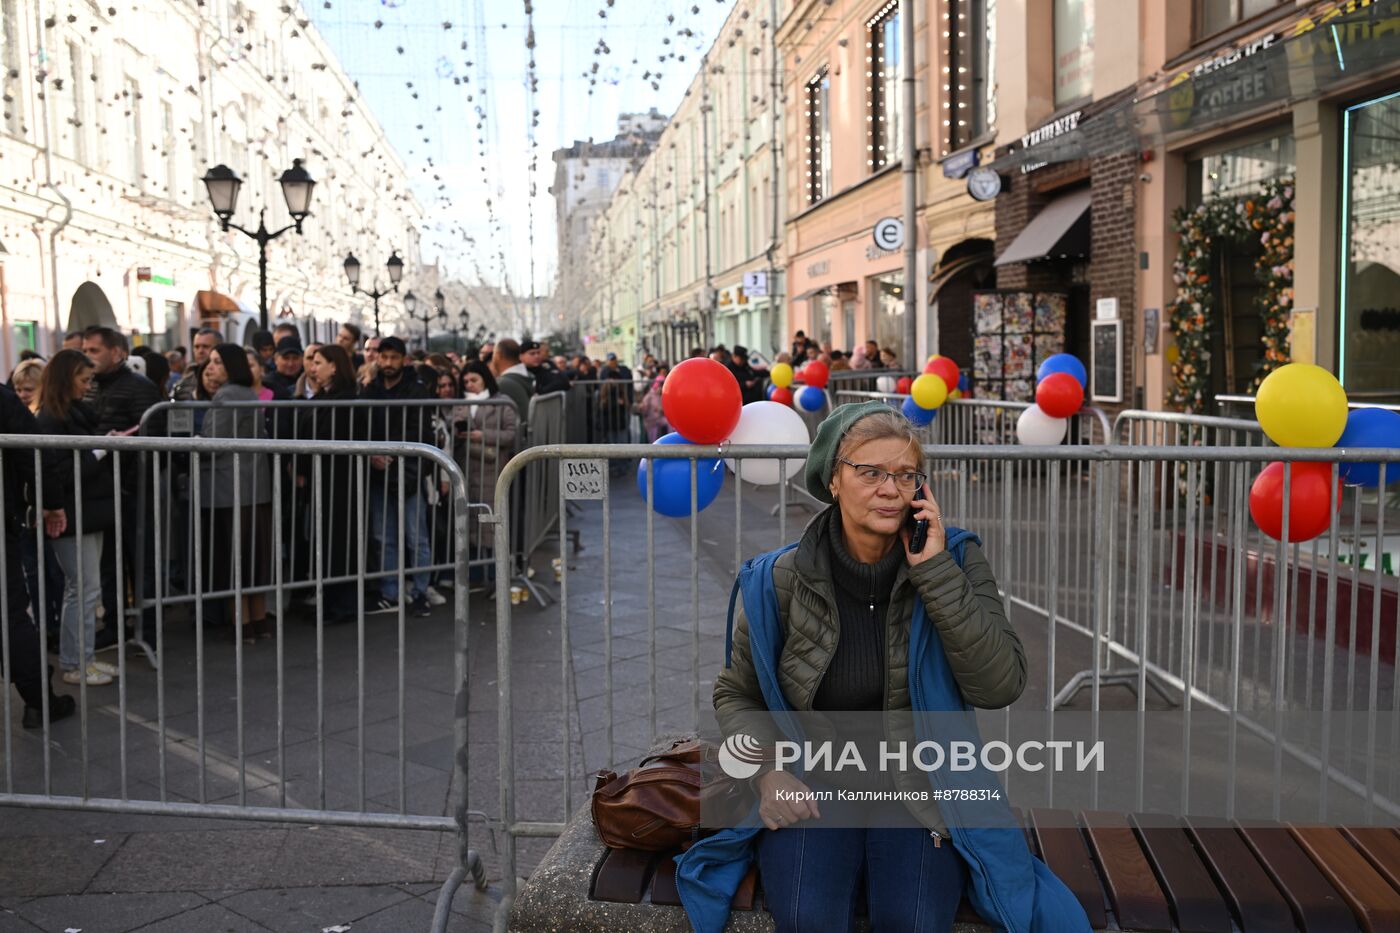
(1113, 263)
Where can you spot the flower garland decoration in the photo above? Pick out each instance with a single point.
(1267, 215)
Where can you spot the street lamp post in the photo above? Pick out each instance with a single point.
(352, 274)
(410, 304)
(223, 185)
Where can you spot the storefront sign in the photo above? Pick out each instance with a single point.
(957, 166)
(1151, 330)
(817, 269)
(1055, 128)
(1106, 309)
(889, 233)
(145, 274)
(1106, 363)
(984, 184)
(756, 284)
(732, 298)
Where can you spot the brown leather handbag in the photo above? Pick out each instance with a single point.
(656, 805)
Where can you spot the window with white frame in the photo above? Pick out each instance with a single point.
(883, 65)
(968, 98)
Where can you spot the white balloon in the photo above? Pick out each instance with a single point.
(886, 384)
(1037, 429)
(767, 423)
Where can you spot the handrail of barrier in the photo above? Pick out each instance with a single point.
(1183, 419)
(1092, 411)
(307, 404)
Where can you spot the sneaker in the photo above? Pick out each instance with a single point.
(95, 678)
(435, 598)
(111, 670)
(420, 608)
(381, 606)
(60, 707)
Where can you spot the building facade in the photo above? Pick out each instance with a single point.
(843, 64)
(686, 253)
(106, 135)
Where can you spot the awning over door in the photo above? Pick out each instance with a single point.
(210, 302)
(1060, 229)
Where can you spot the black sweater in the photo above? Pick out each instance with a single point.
(856, 678)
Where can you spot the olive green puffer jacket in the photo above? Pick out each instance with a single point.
(983, 650)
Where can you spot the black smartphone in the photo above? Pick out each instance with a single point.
(918, 528)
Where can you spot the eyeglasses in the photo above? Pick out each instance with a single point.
(874, 476)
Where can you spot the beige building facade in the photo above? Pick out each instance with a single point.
(111, 118)
(667, 261)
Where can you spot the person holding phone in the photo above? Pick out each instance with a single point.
(856, 591)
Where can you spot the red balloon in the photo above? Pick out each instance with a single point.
(782, 395)
(904, 385)
(1311, 501)
(1059, 395)
(944, 368)
(702, 401)
(816, 374)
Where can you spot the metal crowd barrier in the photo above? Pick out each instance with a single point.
(162, 744)
(537, 499)
(435, 421)
(965, 421)
(1215, 620)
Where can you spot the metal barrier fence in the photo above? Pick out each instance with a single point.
(478, 437)
(301, 706)
(1100, 551)
(1242, 406)
(964, 421)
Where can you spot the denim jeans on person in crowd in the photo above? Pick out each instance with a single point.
(811, 876)
(384, 526)
(53, 580)
(79, 609)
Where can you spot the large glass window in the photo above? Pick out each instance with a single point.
(887, 310)
(1214, 16)
(1240, 169)
(886, 102)
(968, 80)
(1370, 292)
(818, 137)
(1074, 50)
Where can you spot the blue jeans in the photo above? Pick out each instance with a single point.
(79, 609)
(811, 875)
(384, 526)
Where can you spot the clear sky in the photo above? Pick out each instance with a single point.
(424, 66)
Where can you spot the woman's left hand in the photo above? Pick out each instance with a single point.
(933, 545)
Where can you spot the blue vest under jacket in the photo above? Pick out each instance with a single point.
(1010, 888)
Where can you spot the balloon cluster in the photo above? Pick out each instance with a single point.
(702, 401)
(1059, 394)
(810, 395)
(927, 392)
(1302, 405)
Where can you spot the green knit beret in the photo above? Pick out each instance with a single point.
(822, 459)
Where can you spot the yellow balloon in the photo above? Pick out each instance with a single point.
(931, 358)
(781, 375)
(955, 394)
(1173, 353)
(1301, 405)
(929, 391)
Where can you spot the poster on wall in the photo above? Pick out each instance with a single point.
(1106, 369)
(1014, 332)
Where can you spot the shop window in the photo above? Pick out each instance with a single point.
(818, 98)
(884, 64)
(1074, 50)
(1214, 16)
(1240, 169)
(887, 311)
(1370, 280)
(967, 77)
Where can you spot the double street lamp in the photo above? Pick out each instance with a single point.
(352, 274)
(223, 185)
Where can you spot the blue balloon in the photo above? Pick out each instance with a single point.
(771, 389)
(964, 383)
(811, 398)
(1370, 427)
(918, 417)
(672, 483)
(1064, 363)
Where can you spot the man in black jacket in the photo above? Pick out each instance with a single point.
(27, 670)
(121, 398)
(398, 382)
(547, 378)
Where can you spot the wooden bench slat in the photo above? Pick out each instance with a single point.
(1062, 847)
(1196, 901)
(1255, 900)
(663, 883)
(1132, 888)
(1382, 846)
(1316, 904)
(1375, 902)
(622, 876)
(1025, 824)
